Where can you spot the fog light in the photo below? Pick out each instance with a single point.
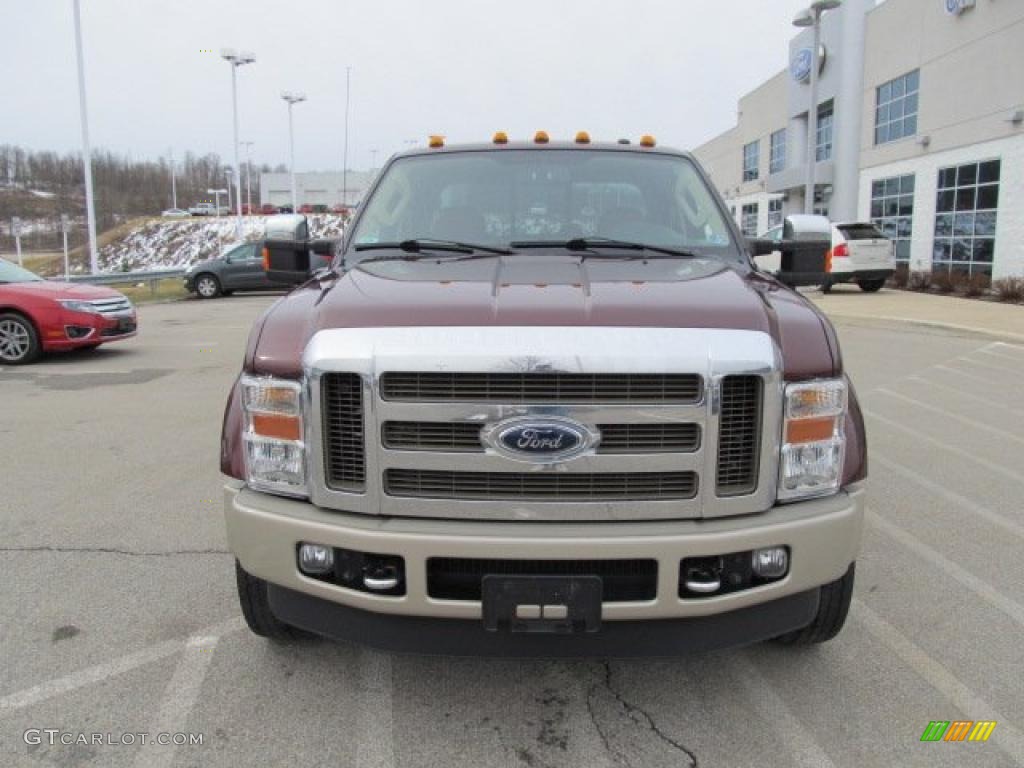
(770, 562)
(316, 559)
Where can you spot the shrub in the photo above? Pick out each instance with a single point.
(919, 281)
(901, 276)
(1009, 288)
(976, 285)
(947, 281)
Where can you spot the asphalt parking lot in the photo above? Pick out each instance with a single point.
(120, 615)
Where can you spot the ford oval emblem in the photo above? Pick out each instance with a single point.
(540, 440)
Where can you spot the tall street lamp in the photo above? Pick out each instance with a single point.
(811, 17)
(248, 175)
(293, 98)
(90, 206)
(236, 60)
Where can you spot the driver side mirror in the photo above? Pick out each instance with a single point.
(293, 262)
(804, 247)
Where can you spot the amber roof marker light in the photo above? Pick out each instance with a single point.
(435, 141)
(500, 137)
(582, 137)
(647, 140)
(540, 137)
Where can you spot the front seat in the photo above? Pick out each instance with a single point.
(460, 223)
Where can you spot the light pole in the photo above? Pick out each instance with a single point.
(216, 198)
(811, 17)
(344, 162)
(227, 175)
(90, 207)
(174, 183)
(248, 175)
(236, 60)
(293, 98)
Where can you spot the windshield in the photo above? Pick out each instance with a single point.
(505, 196)
(9, 273)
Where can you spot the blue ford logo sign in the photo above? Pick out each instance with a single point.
(540, 440)
(800, 66)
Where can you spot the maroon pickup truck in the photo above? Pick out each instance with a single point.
(543, 403)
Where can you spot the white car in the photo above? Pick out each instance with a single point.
(175, 213)
(859, 254)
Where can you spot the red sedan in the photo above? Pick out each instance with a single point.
(39, 315)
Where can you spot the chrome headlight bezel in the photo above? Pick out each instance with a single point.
(79, 305)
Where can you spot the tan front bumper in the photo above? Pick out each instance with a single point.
(823, 536)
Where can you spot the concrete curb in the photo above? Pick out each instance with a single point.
(1006, 335)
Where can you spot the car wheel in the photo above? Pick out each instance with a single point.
(19, 342)
(871, 286)
(252, 596)
(207, 286)
(826, 287)
(833, 606)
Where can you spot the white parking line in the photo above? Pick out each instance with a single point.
(1000, 433)
(946, 368)
(1003, 407)
(961, 501)
(998, 356)
(375, 746)
(100, 672)
(986, 366)
(1002, 346)
(1007, 737)
(772, 709)
(981, 588)
(179, 698)
(1014, 475)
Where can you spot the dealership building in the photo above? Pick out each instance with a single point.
(330, 188)
(919, 128)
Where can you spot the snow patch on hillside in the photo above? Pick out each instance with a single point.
(177, 243)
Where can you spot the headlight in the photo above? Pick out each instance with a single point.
(275, 455)
(813, 444)
(76, 305)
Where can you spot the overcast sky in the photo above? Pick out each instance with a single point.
(462, 68)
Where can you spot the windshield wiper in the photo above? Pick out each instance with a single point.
(586, 244)
(414, 248)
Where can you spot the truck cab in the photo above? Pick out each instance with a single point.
(542, 403)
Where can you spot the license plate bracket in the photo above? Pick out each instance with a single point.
(542, 604)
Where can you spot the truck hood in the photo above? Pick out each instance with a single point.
(546, 290)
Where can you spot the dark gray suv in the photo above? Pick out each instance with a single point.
(240, 268)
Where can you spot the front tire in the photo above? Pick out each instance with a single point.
(207, 286)
(252, 596)
(871, 286)
(19, 342)
(826, 287)
(833, 607)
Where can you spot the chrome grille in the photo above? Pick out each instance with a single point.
(739, 435)
(542, 387)
(111, 306)
(345, 451)
(615, 438)
(540, 486)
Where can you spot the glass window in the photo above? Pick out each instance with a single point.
(823, 134)
(751, 160)
(748, 220)
(495, 197)
(896, 108)
(777, 157)
(774, 212)
(965, 218)
(892, 211)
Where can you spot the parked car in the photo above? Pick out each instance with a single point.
(248, 210)
(860, 254)
(238, 268)
(38, 315)
(203, 209)
(321, 208)
(510, 432)
(306, 208)
(268, 210)
(175, 213)
(285, 209)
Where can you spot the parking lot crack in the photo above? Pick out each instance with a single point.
(635, 713)
(116, 551)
